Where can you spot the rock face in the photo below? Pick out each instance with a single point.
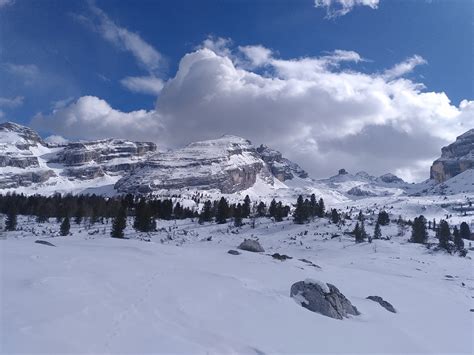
(251, 245)
(282, 168)
(322, 298)
(383, 303)
(27, 160)
(455, 158)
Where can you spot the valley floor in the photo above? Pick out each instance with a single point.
(182, 293)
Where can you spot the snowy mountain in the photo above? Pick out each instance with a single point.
(455, 158)
(227, 165)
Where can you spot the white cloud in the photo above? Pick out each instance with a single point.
(4, 3)
(336, 8)
(145, 54)
(92, 118)
(11, 102)
(404, 67)
(55, 139)
(28, 72)
(312, 109)
(143, 84)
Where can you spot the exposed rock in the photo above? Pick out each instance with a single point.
(383, 303)
(322, 298)
(281, 257)
(44, 242)
(28, 178)
(282, 168)
(455, 158)
(310, 263)
(228, 164)
(233, 252)
(102, 151)
(342, 172)
(390, 179)
(251, 245)
(357, 191)
(23, 161)
(23, 137)
(85, 173)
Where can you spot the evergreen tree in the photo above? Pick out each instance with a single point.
(300, 215)
(79, 214)
(272, 208)
(279, 212)
(238, 215)
(314, 206)
(377, 231)
(206, 213)
(359, 232)
(335, 218)
(222, 211)
(464, 231)
(321, 208)
(444, 234)
(11, 221)
(458, 241)
(360, 217)
(65, 227)
(246, 207)
(419, 233)
(383, 218)
(261, 209)
(144, 221)
(119, 223)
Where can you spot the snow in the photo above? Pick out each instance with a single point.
(324, 286)
(179, 293)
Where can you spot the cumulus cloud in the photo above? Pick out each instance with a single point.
(336, 8)
(313, 109)
(143, 84)
(92, 118)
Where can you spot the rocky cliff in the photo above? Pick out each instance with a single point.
(455, 158)
(228, 164)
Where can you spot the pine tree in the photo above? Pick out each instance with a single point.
(322, 208)
(65, 227)
(222, 211)
(444, 234)
(464, 231)
(238, 215)
(377, 231)
(144, 221)
(419, 233)
(279, 212)
(261, 209)
(360, 217)
(458, 241)
(314, 206)
(246, 207)
(272, 208)
(206, 213)
(300, 215)
(11, 221)
(335, 218)
(383, 218)
(119, 223)
(358, 233)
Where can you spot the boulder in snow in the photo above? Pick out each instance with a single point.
(251, 245)
(383, 303)
(322, 298)
(44, 242)
(281, 257)
(233, 252)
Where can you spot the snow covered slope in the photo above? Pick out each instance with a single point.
(180, 293)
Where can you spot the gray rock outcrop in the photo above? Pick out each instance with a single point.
(383, 303)
(322, 298)
(251, 245)
(282, 168)
(455, 158)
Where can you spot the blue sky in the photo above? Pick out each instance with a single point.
(52, 53)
